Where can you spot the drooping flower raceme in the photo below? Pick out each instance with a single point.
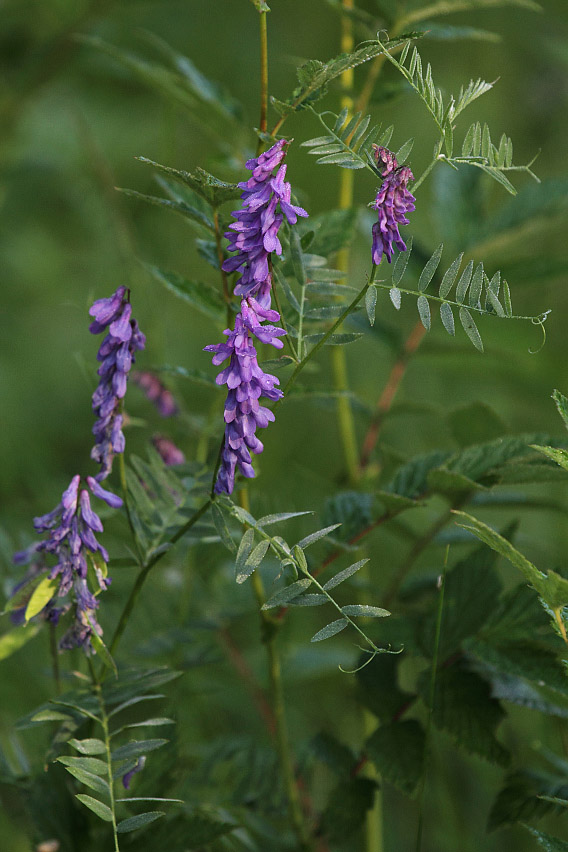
(116, 355)
(71, 543)
(392, 203)
(266, 201)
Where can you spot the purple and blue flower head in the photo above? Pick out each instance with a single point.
(393, 202)
(266, 201)
(116, 354)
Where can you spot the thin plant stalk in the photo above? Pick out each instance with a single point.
(106, 737)
(338, 358)
(268, 632)
(431, 696)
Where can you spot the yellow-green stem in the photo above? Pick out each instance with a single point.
(104, 723)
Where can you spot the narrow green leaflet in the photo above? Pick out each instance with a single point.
(562, 405)
(200, 296)
(101, 810)
(330, 630)
(447, 317)
(424, 312)
(449, 277)
(400, 264)
(364, 610)
(371, 304)
(137, 748)
(252, 561)
(547, 842)
(470, 328)
(138, 821)
(222, 528)
(316, 536)
(284, 596)
(88, 746)
(430, 269)
(344, 575)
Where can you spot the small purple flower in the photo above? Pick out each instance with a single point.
(393, 201)
(156, 392)
(138, 767)
(70, 544)
(170, 454)
(116, 354)
(254, 236)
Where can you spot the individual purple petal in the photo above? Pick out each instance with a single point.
(112, 500)
(127, 777)
(89, 517)
(121, 327)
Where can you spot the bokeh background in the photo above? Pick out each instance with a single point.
(73, 121)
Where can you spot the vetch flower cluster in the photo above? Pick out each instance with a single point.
(266, 201)
(116, 355)
(392, 203)
(70, 539)
(70, 551)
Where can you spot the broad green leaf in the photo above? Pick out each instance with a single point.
(137, 748)
(379, 688)
(344, 575)
(285, 595)
(138, 821)
(330, 630)
(520, 798)
(524, 659)
(41, 596)
(463, 707)
(364, 610)
(316, 536)
(430, 269)
(15, 639)
(346, 808)
(101, 810)
(397, 750)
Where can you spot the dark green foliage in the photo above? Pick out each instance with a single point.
(397, 750)
(379, 689)
(347, 805)
(520, 799)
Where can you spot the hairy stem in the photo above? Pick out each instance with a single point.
(106, 737)
(348, 310)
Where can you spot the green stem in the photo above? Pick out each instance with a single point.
(348, 310)
(140, 579)
(429, 168)
(106, 738)
(431, 696)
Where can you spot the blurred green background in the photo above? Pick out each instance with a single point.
(72, 122)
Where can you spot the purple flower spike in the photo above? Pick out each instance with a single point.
(71, 542)
(116, 356)
(254, 237)
(393, 201)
